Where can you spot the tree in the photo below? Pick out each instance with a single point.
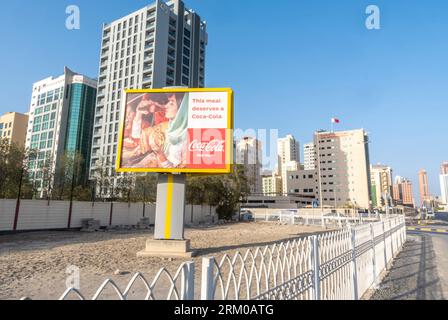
(145, 188)
(101, 177)
(225, 192)
(69, 175)
(125, 186)
(13, 169)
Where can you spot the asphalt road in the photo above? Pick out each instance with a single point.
(420, 271)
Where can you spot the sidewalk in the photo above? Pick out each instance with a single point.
(415, 273)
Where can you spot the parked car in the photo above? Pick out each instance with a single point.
(430, 215)
(246, 215)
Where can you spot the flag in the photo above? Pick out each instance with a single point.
(335, 120)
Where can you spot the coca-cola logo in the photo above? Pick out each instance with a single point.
(212, 146)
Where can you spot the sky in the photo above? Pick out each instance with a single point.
(293, 64)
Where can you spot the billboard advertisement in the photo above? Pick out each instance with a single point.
(176, 131)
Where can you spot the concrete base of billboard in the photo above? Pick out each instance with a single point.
(167, 249)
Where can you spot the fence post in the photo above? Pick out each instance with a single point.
(354, 266)
(315, 265)
(188, 273)
(372, 232)
(391, 240)
(207, 282)
(385, 247)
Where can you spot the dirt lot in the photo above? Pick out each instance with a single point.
(34, 264)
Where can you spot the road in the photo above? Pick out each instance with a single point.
(420, 271)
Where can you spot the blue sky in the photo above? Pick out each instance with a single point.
(293, 65)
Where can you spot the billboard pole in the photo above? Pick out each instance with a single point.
(169, 232)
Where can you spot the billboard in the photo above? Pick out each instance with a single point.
(176, 131)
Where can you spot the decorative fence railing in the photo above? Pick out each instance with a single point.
(325, 219)
(340, 265)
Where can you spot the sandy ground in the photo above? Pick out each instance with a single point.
(34, 264)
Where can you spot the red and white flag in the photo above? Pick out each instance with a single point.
(335, 120)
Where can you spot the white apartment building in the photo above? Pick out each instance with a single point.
(288, 150)
(344, 166)
(249, 154)
(158, 46)
(444, 188)
(272, 185)
(382, 184)
(309, 159)
(60, 120)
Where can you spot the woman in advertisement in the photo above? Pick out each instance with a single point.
(164, 144)
(173, 153)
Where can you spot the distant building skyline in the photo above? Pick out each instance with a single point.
(402, 192)
(343, 168)
(392, 68)
(423, 183)
(288, 154)
(381, 183)
(249, 154)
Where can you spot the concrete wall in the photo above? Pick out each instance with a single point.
(39, 215)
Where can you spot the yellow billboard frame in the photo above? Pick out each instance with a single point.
(229, 133)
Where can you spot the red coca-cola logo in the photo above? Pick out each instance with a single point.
(211, 146)
(206, 148)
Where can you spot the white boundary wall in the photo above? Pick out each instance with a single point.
(41, 215)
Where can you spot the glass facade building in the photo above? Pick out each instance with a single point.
(80, 124)
(60, 123)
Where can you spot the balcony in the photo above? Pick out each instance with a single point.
(149, 46)
(150, 35)
(147, 80)
(147, 67)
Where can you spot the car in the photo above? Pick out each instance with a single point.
(246, 215)
(430, 215)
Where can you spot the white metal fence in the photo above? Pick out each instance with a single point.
(324, 219)
(340, 265)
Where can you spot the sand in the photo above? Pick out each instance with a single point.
(34, 264)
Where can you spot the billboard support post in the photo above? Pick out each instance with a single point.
(169, 224)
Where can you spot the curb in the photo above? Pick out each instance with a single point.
(442, 231)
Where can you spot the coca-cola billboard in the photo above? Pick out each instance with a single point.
(179, 130)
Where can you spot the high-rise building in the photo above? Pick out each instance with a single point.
(158, 46)
(288, 149)
(444, 188)
(423, 187)
(249, 154)
(309, 159)
(60, 122)
(344, 166)
(402, 192)
(381, 182)
(444, 168)
(13, 127)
